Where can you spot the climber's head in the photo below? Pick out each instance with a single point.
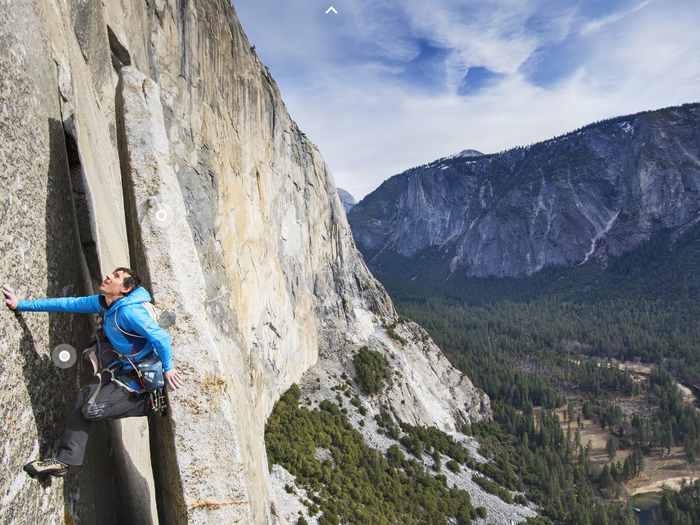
(119, 283)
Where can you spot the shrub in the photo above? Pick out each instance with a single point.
(520, 500)
(413, 445)
(492, 488)
(394, 456)
(453, 466)
(394, 335)
(437, 461)
(371, 369)
(464, 516)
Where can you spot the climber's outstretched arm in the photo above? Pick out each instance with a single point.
(78, 305)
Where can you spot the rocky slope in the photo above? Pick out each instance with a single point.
(597, 191)
(419, 373)
(149, 134)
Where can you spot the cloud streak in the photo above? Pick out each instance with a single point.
(595, 25)
(384, 86)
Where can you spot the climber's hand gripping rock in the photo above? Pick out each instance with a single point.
(10, 297)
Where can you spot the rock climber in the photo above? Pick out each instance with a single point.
(126, 335)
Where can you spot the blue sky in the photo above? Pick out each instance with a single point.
(386, 85)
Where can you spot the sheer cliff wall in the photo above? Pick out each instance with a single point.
(111, 114)
(62, 224)
(39, 246)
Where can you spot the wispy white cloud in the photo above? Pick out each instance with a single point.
(493, 35)
(598, 23)
(377, 86)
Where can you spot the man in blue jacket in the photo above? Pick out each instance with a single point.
(130, 331)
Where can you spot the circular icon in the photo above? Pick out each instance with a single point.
(64, 356)
(158, 212)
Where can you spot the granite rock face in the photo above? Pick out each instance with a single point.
(599, 191)
(205, 418)
(57, 155)
(149, 134)
(424, 390)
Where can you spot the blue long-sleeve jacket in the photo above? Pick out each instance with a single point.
(127, 311)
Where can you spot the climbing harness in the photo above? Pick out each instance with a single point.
(147, 368)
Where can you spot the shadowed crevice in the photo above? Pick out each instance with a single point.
(120, 54)
(89, 489)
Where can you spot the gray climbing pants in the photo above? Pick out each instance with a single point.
(113, 402)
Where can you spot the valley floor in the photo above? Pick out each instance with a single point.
(661, 469)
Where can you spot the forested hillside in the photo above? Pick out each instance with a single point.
(552, 340)
(644, 305)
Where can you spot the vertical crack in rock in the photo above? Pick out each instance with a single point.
(86, 224)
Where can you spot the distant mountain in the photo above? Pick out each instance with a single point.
(595, 192)
(466, 153)
(347, 200)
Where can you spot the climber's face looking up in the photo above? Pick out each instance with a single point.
(113, 285)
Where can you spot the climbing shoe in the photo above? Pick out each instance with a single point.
(46, 467)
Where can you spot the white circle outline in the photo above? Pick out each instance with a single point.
(64, 356)
(161, 215)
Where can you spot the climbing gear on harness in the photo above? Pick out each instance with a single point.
(158, 402)
(149, 372)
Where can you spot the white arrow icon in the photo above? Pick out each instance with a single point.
(331, 8)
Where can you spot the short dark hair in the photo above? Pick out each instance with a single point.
(132, 280)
